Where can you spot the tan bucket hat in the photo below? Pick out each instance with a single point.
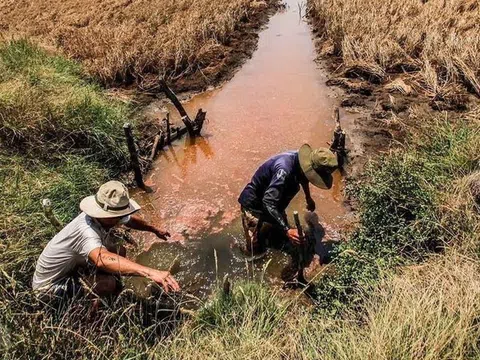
(111, 201)
(318, 165)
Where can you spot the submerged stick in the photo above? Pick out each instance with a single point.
(47, 210)
(134, 156)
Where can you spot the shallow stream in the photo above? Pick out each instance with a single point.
(277, 101)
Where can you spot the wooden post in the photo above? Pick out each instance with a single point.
(301, 248)
(47, 210)
(199, 120)
(338, 142)
(298, 224)
(227, 286)
(133, 156)
(156, 142)
(169, 134)
(173, 98)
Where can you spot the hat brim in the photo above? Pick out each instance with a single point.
(90, 207)
(321, 179)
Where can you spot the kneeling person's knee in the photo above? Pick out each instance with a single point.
(104, 285)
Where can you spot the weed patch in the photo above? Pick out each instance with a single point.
(400, 208)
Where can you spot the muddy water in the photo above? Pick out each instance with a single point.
(277, 101)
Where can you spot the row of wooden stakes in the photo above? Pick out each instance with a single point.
(194, 127)
(164, 137)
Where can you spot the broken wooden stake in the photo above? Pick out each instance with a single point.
(338, 142)
(134, 156)
(178, 105)
(302, 248)
(169, 136)
(199, 120)
(227, 286)
(155, 146)
(47, 210)
(298, 225)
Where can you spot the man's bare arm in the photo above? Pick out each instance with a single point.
(116, 264)
(308, 197)
(137, 223)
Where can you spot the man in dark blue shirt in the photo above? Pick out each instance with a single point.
(274, 185)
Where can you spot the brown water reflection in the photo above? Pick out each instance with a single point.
(277, 101)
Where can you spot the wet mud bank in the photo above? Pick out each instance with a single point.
(277, 101)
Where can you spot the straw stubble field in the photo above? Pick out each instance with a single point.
(403, 287)
(121, 41)
(433, 44)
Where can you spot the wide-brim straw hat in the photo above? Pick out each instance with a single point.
(111, 201)
(318, 165)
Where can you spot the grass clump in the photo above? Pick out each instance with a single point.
(425, 312)
(24, 229)
(60, 138)
(244, 324)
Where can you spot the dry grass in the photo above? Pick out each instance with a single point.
(118, 40)
(427, 312)
(438, 40)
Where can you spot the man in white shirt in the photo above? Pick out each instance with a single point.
(84, 243)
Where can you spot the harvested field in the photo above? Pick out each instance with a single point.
(437, 42)
(124, 40)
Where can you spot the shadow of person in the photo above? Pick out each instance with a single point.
(316, 231)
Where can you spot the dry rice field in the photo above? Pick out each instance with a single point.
(436, 42)
(122, 40)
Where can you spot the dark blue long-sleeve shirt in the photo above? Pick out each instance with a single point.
(273, 186)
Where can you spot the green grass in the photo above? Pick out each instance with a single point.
(48, 109)
(401, 206)
(61, 136)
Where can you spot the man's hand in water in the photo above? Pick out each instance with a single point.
(164, 279)
(137, 223)
(310, 204)
(164, 235)
(294, 237)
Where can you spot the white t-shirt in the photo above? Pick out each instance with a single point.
(69, 249)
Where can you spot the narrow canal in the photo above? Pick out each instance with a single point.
(277, 101)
